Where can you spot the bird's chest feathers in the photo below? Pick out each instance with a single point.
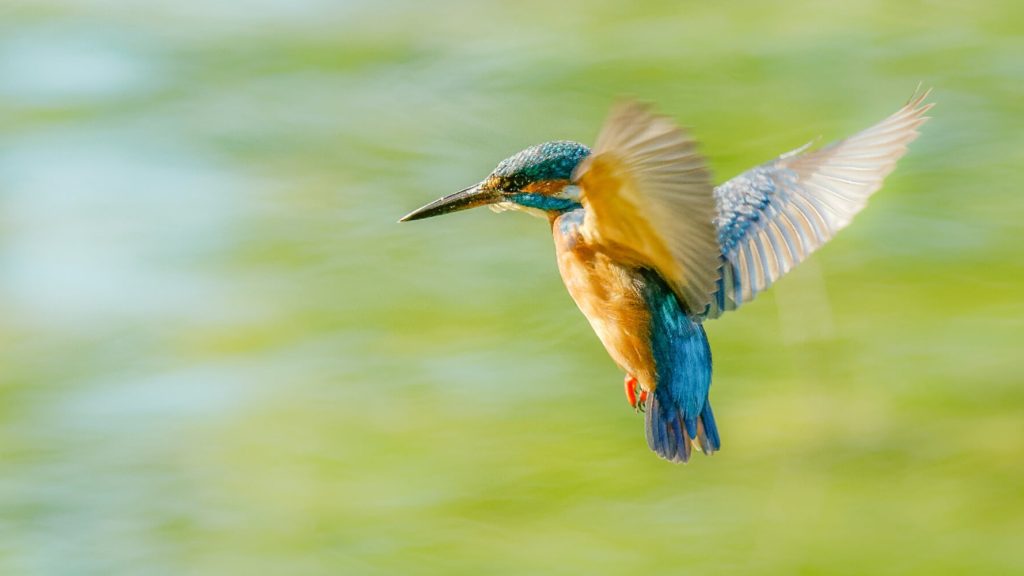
(610, 295)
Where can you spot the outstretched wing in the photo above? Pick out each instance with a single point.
(770, 218)
(648, 196)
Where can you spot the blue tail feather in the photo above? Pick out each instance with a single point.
(678, 413)
(709, 439)
(691, 426)
(666, 434)
(671, 434)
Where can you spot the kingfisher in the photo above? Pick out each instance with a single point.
(649, 249)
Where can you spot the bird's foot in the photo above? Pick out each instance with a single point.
(635, 395)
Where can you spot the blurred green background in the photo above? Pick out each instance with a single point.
(219, 354)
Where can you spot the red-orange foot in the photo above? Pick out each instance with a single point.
(636, 395)
(631, 386)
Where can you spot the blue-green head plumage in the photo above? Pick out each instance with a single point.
(538, 178)
(550, 161)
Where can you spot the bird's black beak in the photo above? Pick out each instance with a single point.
(475, 195)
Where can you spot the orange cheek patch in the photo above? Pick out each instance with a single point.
(545, 187)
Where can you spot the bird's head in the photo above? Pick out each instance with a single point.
(536, 180)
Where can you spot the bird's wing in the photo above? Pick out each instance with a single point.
(770, 218)
(649, 202)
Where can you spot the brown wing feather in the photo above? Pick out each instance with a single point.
(649, 201)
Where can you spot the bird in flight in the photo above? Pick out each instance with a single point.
(650, 249)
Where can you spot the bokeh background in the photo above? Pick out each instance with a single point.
(219, 354)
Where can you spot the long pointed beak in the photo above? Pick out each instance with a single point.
(471, 197)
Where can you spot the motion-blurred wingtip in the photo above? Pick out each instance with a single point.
(917, 99)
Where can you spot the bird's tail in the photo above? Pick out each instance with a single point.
(672, 433)
(678, 414)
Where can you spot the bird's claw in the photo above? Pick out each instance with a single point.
(635, 395)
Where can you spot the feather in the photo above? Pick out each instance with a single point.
(649, 202)
(772, 217)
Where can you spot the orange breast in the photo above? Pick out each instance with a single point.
(608, 294)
